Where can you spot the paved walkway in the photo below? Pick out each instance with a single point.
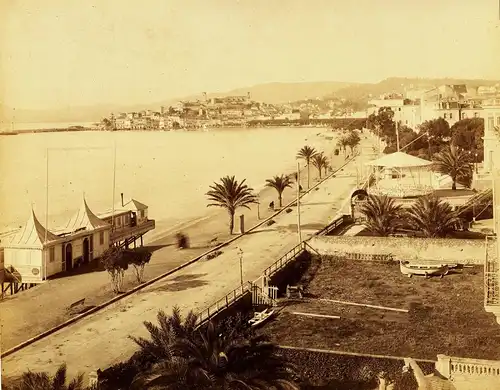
(31, 312)
(101, 339)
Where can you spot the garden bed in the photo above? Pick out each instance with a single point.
(445, 316)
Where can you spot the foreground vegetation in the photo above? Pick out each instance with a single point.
(428, 215)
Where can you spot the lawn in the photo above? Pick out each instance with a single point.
(445, 316)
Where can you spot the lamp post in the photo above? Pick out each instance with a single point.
(240, 253)
(258, 210)
(299, 232)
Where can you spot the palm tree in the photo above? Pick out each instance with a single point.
(230, 195)
(320, 161)
(164, 335)
(306, 153)
(221, 360)
(455, 163)
(279, 183)
(382, 215)
(42, 381)
(432, 216)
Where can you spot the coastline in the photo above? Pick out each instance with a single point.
(322, 139)
(204, 232)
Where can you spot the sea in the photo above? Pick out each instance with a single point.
(170, 171)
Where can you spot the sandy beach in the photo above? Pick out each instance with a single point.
(101, 339)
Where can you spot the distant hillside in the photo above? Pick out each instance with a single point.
(270, 93)
(399, 85)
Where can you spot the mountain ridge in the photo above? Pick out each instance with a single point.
(273, 92)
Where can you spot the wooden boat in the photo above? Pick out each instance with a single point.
(260, 317)
(423, 269)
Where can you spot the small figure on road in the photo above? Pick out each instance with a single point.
(182, 241)
(271, 205)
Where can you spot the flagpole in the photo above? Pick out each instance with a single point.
(46, 209)
(299, 232)
(114, 188)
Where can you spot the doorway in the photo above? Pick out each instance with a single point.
(86, 251)
(68, 257)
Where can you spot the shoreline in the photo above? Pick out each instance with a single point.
(172, 225)
(204, 232)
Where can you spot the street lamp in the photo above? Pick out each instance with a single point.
(240, 252)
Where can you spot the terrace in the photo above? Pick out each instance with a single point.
(369, 307)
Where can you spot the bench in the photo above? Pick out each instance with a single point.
(76, 304)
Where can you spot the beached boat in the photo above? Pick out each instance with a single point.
(423, 269)
(260, 317)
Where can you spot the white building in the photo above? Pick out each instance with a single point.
(491, 115)
(34, 253)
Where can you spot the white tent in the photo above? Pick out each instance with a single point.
(402, 175)
(399, 160)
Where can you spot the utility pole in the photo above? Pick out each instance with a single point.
(299, 232)
(397, 136)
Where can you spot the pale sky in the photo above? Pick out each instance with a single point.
(82, 52)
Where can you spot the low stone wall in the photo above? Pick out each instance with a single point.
(407, 248)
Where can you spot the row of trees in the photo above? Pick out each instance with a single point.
(429, 215)
(231, 194)
(178, 355)
(432, 136)
(349, 139)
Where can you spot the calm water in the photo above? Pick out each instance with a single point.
(169, 171)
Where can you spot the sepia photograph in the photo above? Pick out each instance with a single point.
(249, 194)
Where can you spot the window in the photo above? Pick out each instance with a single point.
(491, 123)
(498, 120)
(52, 254)
(445, 115)
(476, 115)
(141, 214)
(464, 115)
(451, 115)
(101, 238)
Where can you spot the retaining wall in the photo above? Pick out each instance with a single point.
(407, 248)
(291, 273)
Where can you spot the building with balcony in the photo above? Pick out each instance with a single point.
(34, 253)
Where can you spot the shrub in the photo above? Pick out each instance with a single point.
(213, 255)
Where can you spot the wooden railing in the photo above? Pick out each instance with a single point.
(364, 256)
(222, 303)
(130, 231)
(332, 226)
(475, 199)
(450, 367)
(285, 259)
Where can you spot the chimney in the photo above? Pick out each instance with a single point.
(122, 199)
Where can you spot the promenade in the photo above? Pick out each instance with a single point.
(31, 312)
(101, 339)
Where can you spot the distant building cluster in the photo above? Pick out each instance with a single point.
(222, 112)
(450, 102)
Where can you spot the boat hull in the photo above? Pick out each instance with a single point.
(423, 270)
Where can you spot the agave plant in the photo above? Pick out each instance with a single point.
(382, 215)
(306, 153)
(456, 163)
(231, 194)
(279, 183)
(320, 161)
(432, 216)
(42, 381)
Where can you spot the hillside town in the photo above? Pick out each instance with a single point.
(411, 109)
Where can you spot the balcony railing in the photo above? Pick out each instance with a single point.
(491, 275)
(451, 367)
(131, 231)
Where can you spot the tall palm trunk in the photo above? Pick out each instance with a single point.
(454, 185)
(231, 221)
(280, 200)
(308, 176)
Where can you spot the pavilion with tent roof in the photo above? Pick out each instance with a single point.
(401, 175)
(34, 253)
